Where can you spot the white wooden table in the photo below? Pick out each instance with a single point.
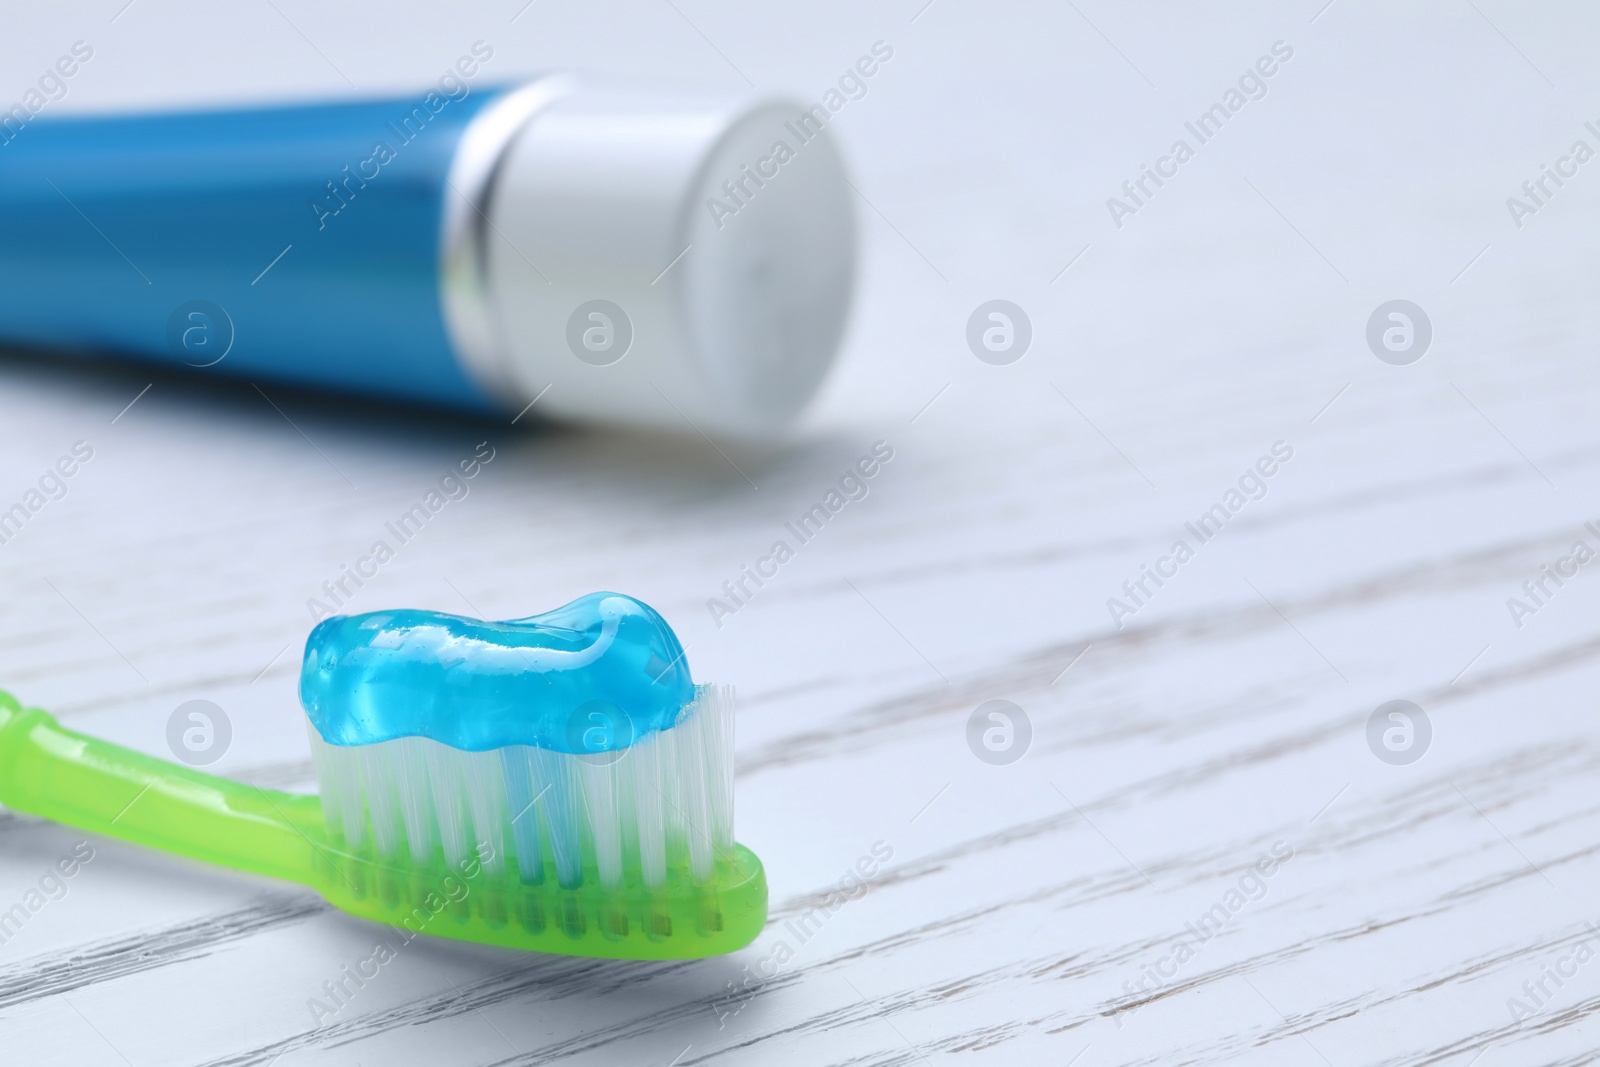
(1099, 901)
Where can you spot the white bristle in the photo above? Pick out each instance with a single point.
(644, 766)
(486, 800)
(383, 804)
(562, 811)
(599, 776)
(522, 790)
(666, 801)
(671, 792)
(322, 760)
(449, 787)
(692, 782)
(333, 785)
(716, 723)
(416, 797)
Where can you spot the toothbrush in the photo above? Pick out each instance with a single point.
(555, 783)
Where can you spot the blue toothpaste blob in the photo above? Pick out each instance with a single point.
(592, 676)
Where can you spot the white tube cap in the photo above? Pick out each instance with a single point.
(671, 260)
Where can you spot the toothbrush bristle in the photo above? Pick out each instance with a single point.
(619, 822)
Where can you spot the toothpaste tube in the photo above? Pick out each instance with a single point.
(674, 259)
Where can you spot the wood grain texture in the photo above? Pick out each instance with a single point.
(1032, 912)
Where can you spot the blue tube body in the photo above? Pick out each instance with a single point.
(291, 244)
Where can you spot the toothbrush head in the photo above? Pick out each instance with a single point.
(555, 783)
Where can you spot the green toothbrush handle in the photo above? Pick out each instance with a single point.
(106, 789)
